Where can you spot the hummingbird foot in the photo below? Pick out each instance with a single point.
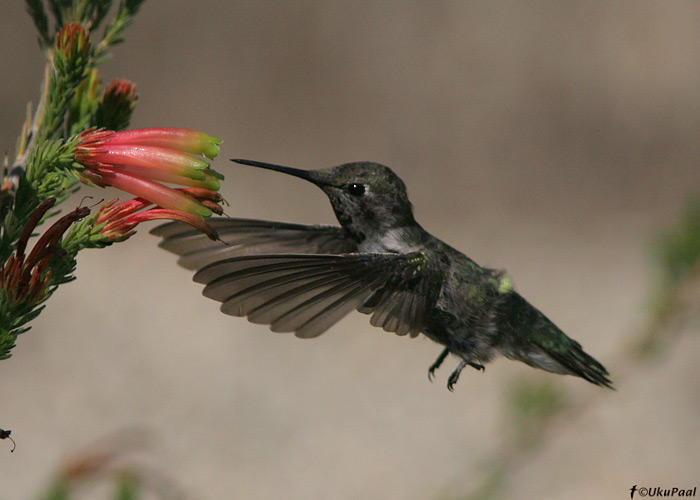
(454, 376)
(437, 363)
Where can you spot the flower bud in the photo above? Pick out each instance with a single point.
(72, 50)
(117, 105)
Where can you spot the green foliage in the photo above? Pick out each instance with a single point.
(60, 185)
(13, 316)
(127, 488)
(679, 248)
(678, 261)
(16, 216)
(90, 13)
(50, 156)
(46, 168)
(59, 9)
(84, 234)
(531, 405)
(35, 8)
(114, 31)
(70, 61)
(50, 162)
(83, 109)
(70, 98)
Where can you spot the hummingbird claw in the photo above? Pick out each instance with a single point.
(437, 363)
(454, 376)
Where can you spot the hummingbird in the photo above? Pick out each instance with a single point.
(379, 261)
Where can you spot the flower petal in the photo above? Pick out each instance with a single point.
(111, 211)
(190, 141)
(159, 213)
(207, 197)
(208, 180)
(156, 158)
(157, 194)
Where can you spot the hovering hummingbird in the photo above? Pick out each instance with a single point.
(304, 279)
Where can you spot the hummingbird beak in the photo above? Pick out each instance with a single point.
(296, 172)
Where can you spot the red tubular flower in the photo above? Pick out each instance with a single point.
(137, 161)
(117, 222)
(180, 139)
(27, 279)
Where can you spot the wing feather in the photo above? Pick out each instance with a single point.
(318, 313)
(399, 306)
(307, 294)
(240, 237)
(282, 302)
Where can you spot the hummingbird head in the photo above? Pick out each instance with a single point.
(366, 197)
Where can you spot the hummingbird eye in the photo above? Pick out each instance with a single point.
(356, 189)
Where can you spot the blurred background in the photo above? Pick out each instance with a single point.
(555, 139)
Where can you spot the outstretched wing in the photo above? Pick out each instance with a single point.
(307, 294)
(240, 237)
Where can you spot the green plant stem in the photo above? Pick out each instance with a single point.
(39, 113)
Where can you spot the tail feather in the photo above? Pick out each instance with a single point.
(529, 336)
(579, 363)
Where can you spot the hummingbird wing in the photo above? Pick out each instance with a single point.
(307, 294)
(240, 237)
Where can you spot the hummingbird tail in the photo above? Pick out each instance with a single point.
(583, 365)
(541, 344)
